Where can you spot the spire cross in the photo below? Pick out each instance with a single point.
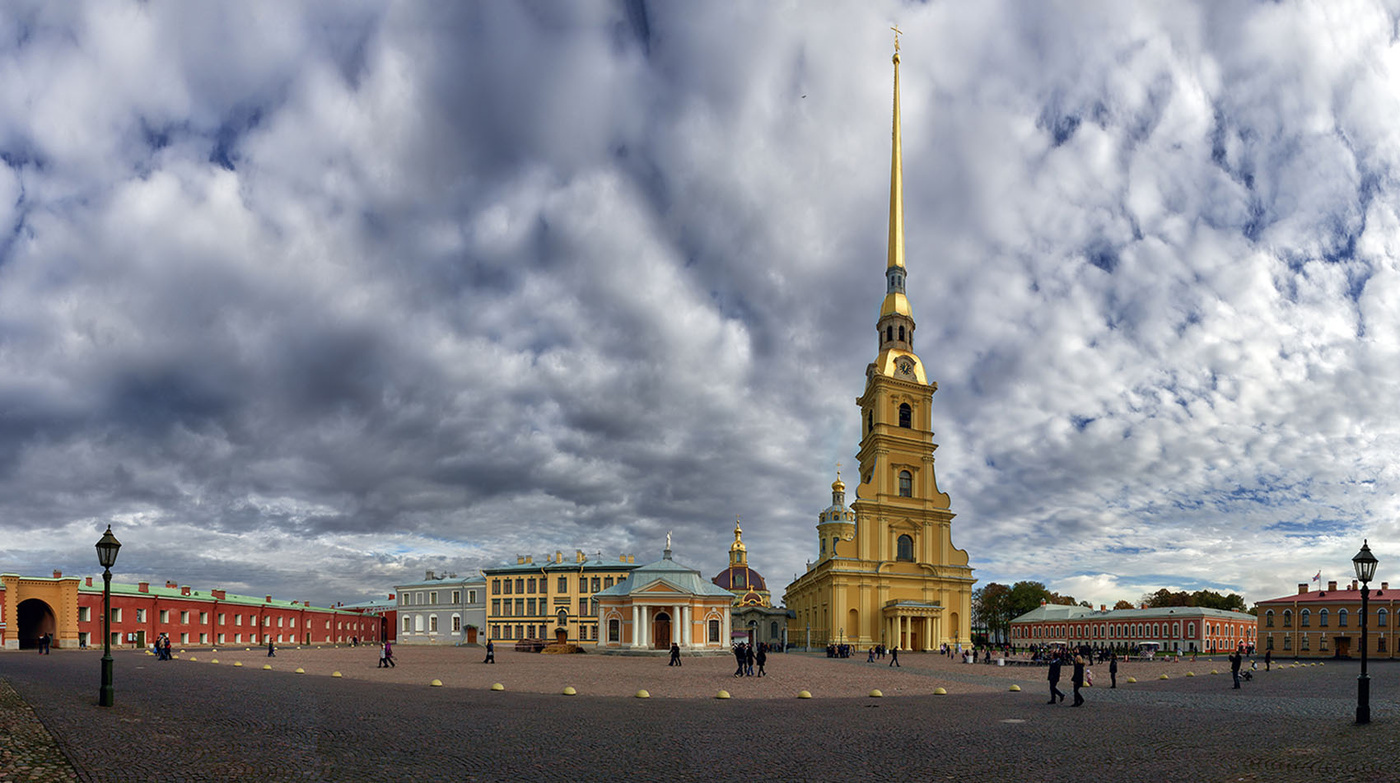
(897, 33)
(838, 470)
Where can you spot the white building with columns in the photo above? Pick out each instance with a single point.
(660, 603)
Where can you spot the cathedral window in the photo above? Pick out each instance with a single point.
(714, 631)
(614, 631)
(869, 422)
(889, 334)
(906, 484)
(905, 549)
(906, 415)
(823, 546)
(901, 334)
(833, 546)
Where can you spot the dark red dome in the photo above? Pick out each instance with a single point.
(740, 578)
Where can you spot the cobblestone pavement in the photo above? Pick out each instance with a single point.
(27, 750)
(195, 720)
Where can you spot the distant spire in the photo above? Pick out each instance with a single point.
(896, 248)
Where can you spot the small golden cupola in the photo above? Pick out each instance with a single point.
(738, 553)
(837, 522)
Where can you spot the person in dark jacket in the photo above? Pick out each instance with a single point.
(1054, 677)
(1113, 670)
(762, 658)
(739, 659)
(1268, 659)
(748, 660)
(675, 655)
(1235, 659)
(894, 657)
(1078, 680)
(490, 652)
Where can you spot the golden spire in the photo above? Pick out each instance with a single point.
(738, 544)
(896, 252)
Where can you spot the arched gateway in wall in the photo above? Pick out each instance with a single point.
(34, 618)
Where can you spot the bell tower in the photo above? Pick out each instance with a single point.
(887, 571)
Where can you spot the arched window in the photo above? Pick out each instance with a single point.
(1287, 618)
(1380, 618)
(563, 617)
(1269, 619)
(714, 631)
(1191, 630)
(889, 334)
(1176, 630)
(905, 548)
(1305, 618)
(773, 630)
(869, 422)
(901, 334)
(906, 415)
(614, 630)
(1322, 618)
(1341, 618)
(906, 484)
(823, 546)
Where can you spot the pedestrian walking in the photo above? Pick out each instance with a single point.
(383, 658)
(271, 651)
(748, 660)
(1113, 670)
(389, 654)
(739, 658)
(490, 652)
(1054, 678)
(871, 657)
(1078, 680)
(1235, 660)
(675, 655)
(894, 656)
(1268, 659)
(762, 658)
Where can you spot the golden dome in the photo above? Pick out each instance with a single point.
(895, 302)
(738, 545)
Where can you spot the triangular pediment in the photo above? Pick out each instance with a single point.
(659, 586)
(905, 524)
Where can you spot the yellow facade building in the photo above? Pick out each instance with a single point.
(887, 571)
(550, 601)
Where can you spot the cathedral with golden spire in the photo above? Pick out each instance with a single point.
(886, 570)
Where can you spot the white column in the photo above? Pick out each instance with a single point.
(636, 625)
(685, 627)
(646, 627)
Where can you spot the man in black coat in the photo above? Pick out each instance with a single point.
(1235, 660)
(1054, 678)
(739, 657)
(1113, 670)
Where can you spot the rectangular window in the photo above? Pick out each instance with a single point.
(583, 584)
(85, 614)
(456, 624)
(221, 638)
(1380, 642)
(203, 618)
(495, 607)
(471, 596)
(530, 585)
(221, 618)
(238, 619)
(184, 638)
(184, 618)
(238, 638)
(520, 585)
(597, 584)
(432, 623)
(563, 584)
(607, 582)
(456, 596)
(495, 587)
(1304, 644)
(432, 597)
(714, 632)
(279, 622)
(520, 607)
(508, 586)
(407, 624)
(140, 615)
(530, 607)
(583, 606)
(117, 615)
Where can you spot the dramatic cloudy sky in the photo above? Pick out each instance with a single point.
(309, 298)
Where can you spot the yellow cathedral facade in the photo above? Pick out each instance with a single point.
(886, 570)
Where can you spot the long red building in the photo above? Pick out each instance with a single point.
(70, 609)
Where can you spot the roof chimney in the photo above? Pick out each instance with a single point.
(89, 581)
(185, 590)
(1385, 585)
(1331, 585)
(269, 599)
(170, 585)
(217, 593)
(57, 574)
(428, 575)
(1103, 607)
(579, 556)
(144, 587)
(1302, 588)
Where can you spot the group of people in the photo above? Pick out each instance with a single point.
(162, 647)
(1081, 676)
(746, 657)
(46, 644)
(386, 656)
(878, 653)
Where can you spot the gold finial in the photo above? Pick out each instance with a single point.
(897, 33)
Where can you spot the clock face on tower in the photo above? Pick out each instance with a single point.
(905, 368)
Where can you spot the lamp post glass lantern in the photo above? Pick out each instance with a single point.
(1365, 564)
(107, 548)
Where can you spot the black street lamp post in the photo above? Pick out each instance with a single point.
(107, 548)
(1365, 564)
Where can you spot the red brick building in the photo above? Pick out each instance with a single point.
(1174, 629)
(71, 610)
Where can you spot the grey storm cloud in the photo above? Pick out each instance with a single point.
(305, 298)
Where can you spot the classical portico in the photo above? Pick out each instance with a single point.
(661, 603)
(910, 625)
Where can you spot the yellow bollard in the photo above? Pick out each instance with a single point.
(267, 667)
(723, 694)
(237, 663)
(804, 694)
(940, 692)
(497, 686)
(335, 674)
(642, 694)
(300, 670)
(436, 683)
(875, 693)
(1015, 689)
(569, 690)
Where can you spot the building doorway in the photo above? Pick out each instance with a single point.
(471, 634)
(34, 618)
(661, 631)
(561, 635)
(1343, 646)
